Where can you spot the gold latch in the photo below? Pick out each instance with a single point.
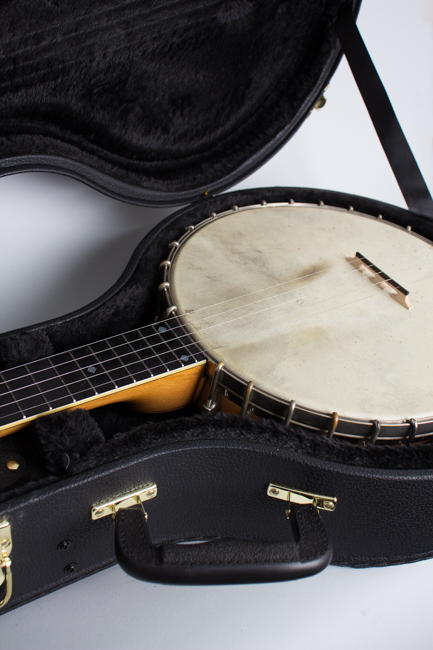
(321, 103)
(5, 561)
(127, 501)
(303, 498)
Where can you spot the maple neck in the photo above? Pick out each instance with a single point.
(77, 376)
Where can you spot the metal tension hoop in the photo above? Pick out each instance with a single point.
(127, 501)
(302, 498)
(5, 561)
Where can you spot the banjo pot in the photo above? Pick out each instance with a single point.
(309, 314)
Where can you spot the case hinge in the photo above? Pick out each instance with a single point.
(126, 501)
(302, 498)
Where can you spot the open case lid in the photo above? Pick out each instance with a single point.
(159, 102)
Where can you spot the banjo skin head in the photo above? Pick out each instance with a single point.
(273, 293)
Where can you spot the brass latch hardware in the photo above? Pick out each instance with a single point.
(5, 561)
(303, 498)
(127, 501)
(321, 103)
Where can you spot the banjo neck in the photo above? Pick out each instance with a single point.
(151, 367)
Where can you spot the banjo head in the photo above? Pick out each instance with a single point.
(278, 295)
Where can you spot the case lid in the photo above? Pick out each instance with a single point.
(159, 102)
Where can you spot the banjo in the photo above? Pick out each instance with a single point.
(307, 314)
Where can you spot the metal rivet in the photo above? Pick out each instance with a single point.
(264, 203)
(235, 207)
(379, 216)
(213, 215)
(291, 201)
(6, 543)
(329, 505)
(63, 546)
(12, 464)
(274, 491)
(99, 512)
(408, 228)
(321, 203)
(150, 493)
(351, 208)
(70, 568)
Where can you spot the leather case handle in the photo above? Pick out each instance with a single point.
(222, 561)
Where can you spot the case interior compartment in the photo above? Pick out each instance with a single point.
(158, 102)
(68, 443)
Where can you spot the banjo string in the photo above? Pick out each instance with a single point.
(177, 327)
(198, 342)
(266, 329)
(284, 293)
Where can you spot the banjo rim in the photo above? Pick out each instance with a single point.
(253, 400)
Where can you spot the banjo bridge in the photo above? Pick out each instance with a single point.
(381, 279)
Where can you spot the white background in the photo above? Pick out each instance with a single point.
(63, 244)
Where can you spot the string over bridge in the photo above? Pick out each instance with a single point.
(381, 279)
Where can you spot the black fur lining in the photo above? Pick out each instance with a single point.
(74, 442)
(24, 347)
(161, 95)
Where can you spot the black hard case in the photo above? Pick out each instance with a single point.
(164, 132)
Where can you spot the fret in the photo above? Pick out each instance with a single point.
(175, 343)
(36, 383)
(180, 345)
(162, 348)
(49, 383)
(193, 351)
(24, 392)
(9, 410)
(112, 364)
(102, 349)
(149, 354)
(72, 377)
(91, 370)
(130, 360)
(63, 383)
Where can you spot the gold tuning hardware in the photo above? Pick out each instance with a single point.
(5, 561)
(127, 501)
(302, 498)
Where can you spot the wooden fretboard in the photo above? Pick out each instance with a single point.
(107, 366)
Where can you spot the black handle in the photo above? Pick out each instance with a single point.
(223, 561)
